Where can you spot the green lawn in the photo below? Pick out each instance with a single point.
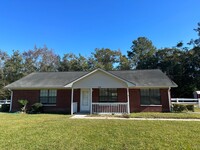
(46, 131)
(183, 115)
(188, 115)
(196, 108)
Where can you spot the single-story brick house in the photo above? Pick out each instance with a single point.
(98, 91)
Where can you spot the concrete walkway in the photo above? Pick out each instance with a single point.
(81, 116)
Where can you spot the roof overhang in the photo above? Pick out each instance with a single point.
(34, 88)
(197, 92)
(153, 87)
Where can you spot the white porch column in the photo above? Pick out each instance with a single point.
(128, 103)
(72, 97)
(90, 100)
(199, 102)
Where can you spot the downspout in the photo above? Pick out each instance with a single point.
(91, 100)
(169, 99)
(11, 99)
(72, 97)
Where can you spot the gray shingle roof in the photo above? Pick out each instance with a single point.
(141, 78)
(46, 80)
(146, 78)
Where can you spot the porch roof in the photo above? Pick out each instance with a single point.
(140, 78)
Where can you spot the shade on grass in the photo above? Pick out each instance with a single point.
(21, 131)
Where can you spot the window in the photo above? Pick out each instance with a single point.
(150, 97)
(108, 95)
(48, 96)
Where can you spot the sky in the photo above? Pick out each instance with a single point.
(80, 26)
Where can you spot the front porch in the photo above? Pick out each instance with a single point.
(91, 101)
(101, 92)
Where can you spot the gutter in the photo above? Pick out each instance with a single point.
(11, 99)
(169, 98)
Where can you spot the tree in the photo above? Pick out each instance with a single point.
(104, 58)
(3, 58)
(49, 60)
(14, 67)
(171, 61)
(124, 63)
(196, 42)
(194, 62)
(141, 50)
(31, 60)
(40, 59)
(71, 62)
(188, 79)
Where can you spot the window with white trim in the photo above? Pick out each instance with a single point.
(150, 97)
(107, 95)
(48, 96)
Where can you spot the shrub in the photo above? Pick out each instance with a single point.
(5, 108)
(190, 107)
(179, 108)
(37, 108)
(24, 104)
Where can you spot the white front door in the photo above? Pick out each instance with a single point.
(85, 99)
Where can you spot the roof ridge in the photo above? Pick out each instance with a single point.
(136, 70)
(58, 71)
(91, 71)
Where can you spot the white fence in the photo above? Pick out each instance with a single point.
(109, 108)
(4, 101)
(192, 101)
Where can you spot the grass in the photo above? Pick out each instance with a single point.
(183, 115)
(166, 115)
(169, 115)
(47, 131)
(196, 108)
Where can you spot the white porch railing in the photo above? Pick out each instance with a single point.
(4, 101)
(191, 101)
(109, 108)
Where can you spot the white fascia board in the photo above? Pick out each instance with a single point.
(38, 88)
(150, 87)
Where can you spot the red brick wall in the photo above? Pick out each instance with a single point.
(164, 100)
(77, 95)
(122, 95)
(135, 102)
(95, 95)
(134, 98)
(63, 101)
(31, 95)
